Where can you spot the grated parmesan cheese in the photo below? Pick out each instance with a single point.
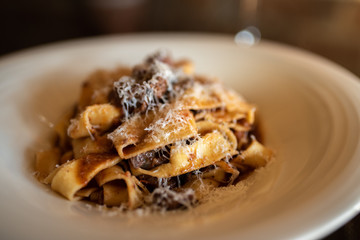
(179, 137)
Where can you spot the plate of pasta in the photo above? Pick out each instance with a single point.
(157, 136)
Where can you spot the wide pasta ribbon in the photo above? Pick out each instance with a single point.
(95, 118)
(84, 146)
(255, 156)
(216, 143)
(120, 187)
(155, 129)
(76, 174)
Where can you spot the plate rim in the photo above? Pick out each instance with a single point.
(286, 51)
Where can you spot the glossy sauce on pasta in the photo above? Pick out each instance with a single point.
(152, 137)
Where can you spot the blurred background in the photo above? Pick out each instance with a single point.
(330, 28)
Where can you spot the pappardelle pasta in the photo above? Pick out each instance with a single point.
(156, 136)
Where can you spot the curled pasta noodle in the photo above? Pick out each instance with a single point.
(183, 159)
(46, 162)
(76, 174)
(255, 156)
(84, 146)
(156, 136)
(201, 97)
(208, 126)
(131, 192)
(143, 133)
(99, 117)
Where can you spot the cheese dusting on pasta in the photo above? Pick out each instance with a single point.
(154, 136)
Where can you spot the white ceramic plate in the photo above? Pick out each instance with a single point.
(310, 109)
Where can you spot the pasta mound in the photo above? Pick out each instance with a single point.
(155, 136)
